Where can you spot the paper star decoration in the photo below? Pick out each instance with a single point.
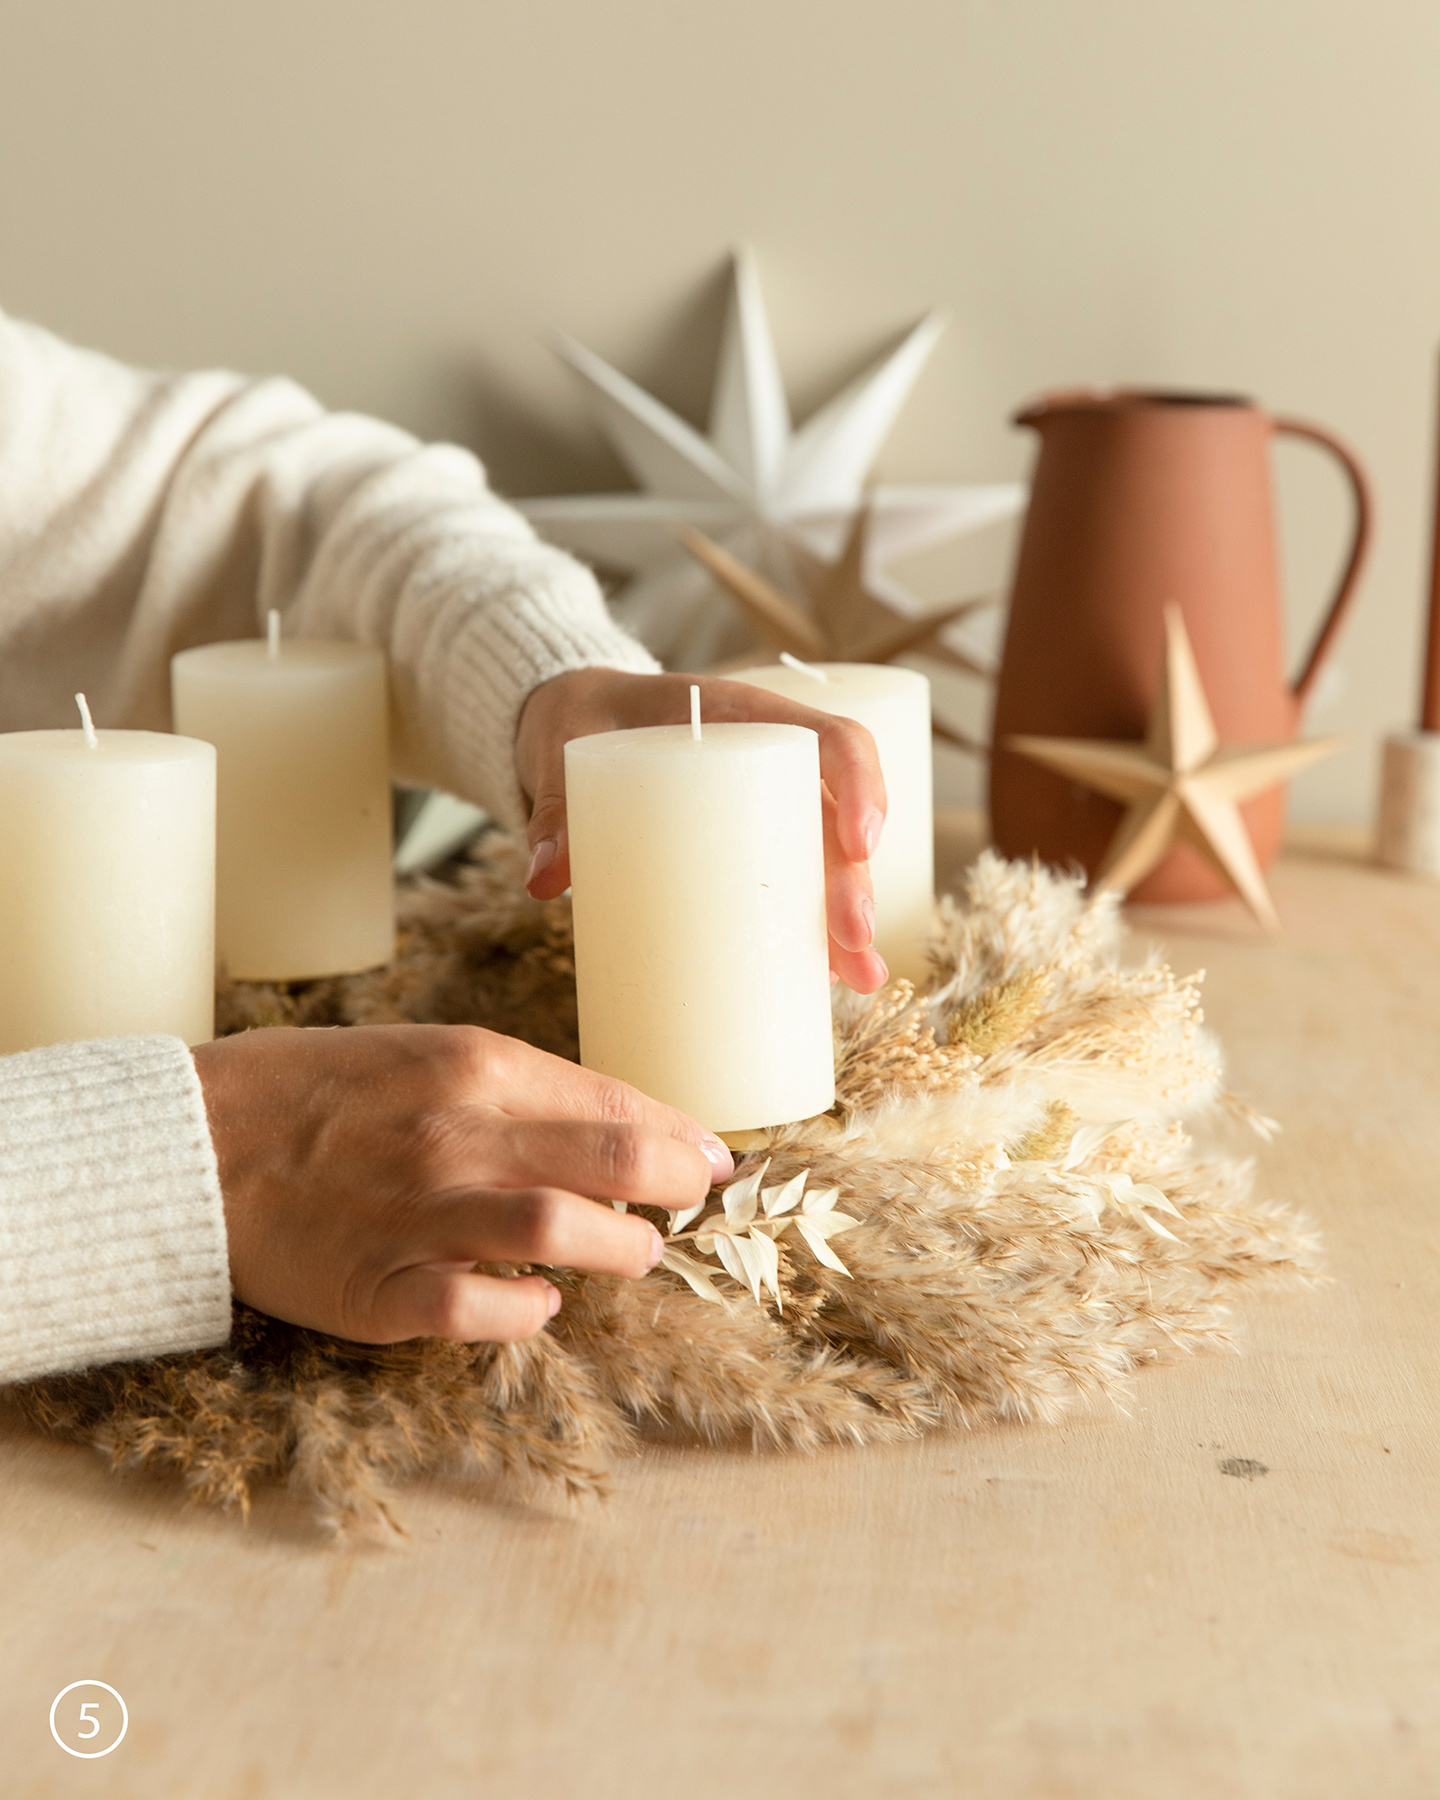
(847, 621)
(756, 485)
(1180, 784)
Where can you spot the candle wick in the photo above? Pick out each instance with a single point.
(695, 713)
(794, 662)
(91, 736)
(272, 634)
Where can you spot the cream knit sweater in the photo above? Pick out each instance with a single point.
(142, 513)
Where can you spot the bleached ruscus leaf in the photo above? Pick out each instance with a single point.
(695, 1273)
(778, 1200)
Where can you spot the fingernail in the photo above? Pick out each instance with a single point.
(552, 1300)
(884, 968)
(541, 857)
(874, 825)
(719, 1159)
(657, 1248)
(867, 913)
(833, 978)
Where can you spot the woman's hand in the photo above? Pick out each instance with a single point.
(365, 1172)
(590, 700)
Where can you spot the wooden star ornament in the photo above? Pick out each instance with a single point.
(1181, 784)
(847, 620)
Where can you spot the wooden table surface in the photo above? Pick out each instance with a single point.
(1096, 1609)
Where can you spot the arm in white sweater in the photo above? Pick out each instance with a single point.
(143, 513)
(112, 1237)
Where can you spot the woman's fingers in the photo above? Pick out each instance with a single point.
(862, 970)
(548, 871)
(534, 1225)
(526, 1083)
(438, 1295)
(854, 815)
(850, 915)
(547, 875)
(465, 1308)
(849, 901)
(608, 1161)
(557, 710)
(850, 768)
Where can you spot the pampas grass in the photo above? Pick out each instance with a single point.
(1034, 1223)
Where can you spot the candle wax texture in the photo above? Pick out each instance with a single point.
(894, 706)
(701, 958)
(303, 859)
(107, 887)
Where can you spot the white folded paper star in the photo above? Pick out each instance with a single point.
(753, 484)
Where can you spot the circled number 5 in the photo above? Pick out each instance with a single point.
(89, 1725)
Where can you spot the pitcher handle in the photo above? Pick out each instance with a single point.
(1355, 562)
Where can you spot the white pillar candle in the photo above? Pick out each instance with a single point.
(107, 887)
(894, 706)
(303, 862)
(698, 875)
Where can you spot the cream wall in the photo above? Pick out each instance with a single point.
(392, 202)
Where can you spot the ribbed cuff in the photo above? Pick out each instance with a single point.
(112, 1230)
(506, 650)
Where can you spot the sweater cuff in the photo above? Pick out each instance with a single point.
(502, 655)
(112, 1229)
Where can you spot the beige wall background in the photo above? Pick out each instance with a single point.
(393, 203)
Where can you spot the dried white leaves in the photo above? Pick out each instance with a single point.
(744, 1235)
(1100, 1188)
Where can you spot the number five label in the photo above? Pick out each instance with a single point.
(89, 1726)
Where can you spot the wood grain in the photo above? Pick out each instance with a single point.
(1228, 1588)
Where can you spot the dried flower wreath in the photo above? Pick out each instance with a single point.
(1022, 1215)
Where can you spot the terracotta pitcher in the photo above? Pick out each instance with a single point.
(1140, 499)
